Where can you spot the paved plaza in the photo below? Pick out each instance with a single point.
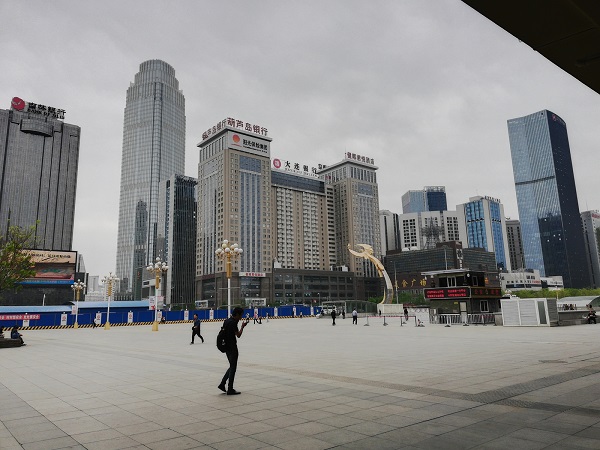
(305, 385)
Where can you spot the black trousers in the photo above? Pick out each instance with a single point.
(354, 320)
(232, 357)
(196, 333)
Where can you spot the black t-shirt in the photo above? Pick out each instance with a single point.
(231, 328)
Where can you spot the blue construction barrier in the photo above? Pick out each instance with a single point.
(120, 315)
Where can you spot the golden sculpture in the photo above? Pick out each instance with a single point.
(367, 253)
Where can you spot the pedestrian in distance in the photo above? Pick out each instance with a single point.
(231, 333)
(14, 334)
(196, 329)
(343, 314)
(591, 317)
(333, 314)
(354, 317)
(406, 313)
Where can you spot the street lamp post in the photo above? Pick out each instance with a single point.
(158, 268)
(226, 252)
(77, 287)
(109, 281)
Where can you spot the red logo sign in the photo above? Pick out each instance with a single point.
(276, 163)
(18, 103)
(236, 138)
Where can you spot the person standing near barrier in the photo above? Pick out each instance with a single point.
(354, 317)
(196, 329)
(333, 314)
(231, 333)
(406, 313)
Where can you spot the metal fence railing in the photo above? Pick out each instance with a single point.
(462, 319)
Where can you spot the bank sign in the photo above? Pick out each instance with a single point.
(234, 123)
(248, 144)
(21, 105)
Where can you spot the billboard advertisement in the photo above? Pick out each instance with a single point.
(52, 267)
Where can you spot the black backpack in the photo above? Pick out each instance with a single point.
(221, 343)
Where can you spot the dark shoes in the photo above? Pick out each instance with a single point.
(230, 391)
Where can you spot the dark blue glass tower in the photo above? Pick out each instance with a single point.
(547, 197)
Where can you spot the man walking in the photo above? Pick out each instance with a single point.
(333, 314)
(354, 317)
(196, 329)
(231, 332)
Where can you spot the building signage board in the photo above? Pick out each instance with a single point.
(253, 274)
(248, 144)
(446, 293)
(408, 281)
(52, 267)
(360, 158)
(297, 168)
(235, 124)
(35, 108)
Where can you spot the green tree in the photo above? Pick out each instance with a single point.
(15, 264)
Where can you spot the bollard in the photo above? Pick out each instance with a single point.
(367, 324)
(384, 323)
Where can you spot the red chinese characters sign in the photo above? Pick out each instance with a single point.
(445, 293)
(19, 316)
(234, 123)
(478, 292)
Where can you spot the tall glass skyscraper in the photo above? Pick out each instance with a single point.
(153, 150)
(547, 197)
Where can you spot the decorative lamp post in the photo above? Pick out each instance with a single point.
(158, 268)
(109, 281)
(77, 287)
(226, 252)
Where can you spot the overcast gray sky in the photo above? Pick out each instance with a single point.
(423, 87)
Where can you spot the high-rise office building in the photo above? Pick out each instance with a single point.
(591, 232)
(39, 156)
(153, 150)
(431, 198)
(547, 197)
(176, 239)
(425, 230)
(515, 244)
(486, 227)
(390, 231)
(234, 192)
(356, 202)
(301, 225)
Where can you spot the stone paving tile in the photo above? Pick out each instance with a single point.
(180, 443)
(213, 436)
(543, 436)
(51, 444)
(94, 436)
(295, 399)
(25, 436)
(241, 443)
(512, 442)
(339, 436)
(457, 439)
(575, 442)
